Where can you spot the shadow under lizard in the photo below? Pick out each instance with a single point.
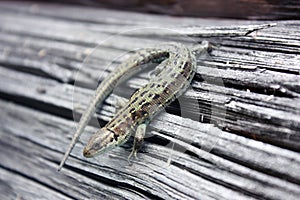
(172, 77)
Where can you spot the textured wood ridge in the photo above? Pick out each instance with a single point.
(236, 9)
(236, 131)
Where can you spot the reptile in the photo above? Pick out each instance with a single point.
(172, 77)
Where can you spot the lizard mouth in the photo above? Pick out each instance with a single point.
(87, 153)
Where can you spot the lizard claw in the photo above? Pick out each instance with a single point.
(133, 153)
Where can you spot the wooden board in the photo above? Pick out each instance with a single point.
(234, 9)
(233, 135)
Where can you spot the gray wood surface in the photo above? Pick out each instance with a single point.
(233, 135)
(237, 9)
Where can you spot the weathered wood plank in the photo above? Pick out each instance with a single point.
(36, 140)
(239, 123)
(17, 186)
(39, 166)
(250, 9)
(255, 79)
(229, 146)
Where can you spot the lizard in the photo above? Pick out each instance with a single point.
(172, 77)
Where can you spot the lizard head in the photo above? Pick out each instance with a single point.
(101, 141)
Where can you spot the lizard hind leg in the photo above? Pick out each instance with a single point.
(138, 140)
(120, 102)
(204, 47)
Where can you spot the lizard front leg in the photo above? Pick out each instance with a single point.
(138, 140)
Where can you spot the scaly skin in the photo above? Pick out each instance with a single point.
(173, 76)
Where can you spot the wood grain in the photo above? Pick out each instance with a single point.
(236, 130)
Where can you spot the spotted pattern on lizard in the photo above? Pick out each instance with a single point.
(173, 76)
